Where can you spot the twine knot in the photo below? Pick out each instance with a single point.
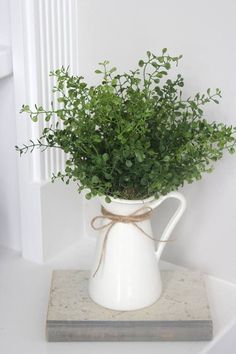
(114, 218)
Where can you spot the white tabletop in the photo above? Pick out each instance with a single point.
(24, 290)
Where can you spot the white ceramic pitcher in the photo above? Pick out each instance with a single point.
(125, 274)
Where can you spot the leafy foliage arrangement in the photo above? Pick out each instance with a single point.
(133, 135)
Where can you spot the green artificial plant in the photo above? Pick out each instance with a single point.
(133, 135)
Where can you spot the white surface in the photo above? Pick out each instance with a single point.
(5, 61)
(226, 344)
(23, 307)
(204, 32)
(9, 199)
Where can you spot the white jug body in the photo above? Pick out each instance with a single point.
(125, 274)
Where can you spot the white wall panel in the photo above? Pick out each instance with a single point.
(51, 41)
(44, 38)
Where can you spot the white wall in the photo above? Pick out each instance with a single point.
(62, 217)
(9, 203)
(204, 32)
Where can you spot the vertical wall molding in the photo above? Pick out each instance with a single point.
(50, 41)
(44, 37)
(57, 39)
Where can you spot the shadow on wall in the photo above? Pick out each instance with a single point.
(9, 198)
(62, 217)
(205, 236)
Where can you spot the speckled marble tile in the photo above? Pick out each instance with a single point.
(182, 312)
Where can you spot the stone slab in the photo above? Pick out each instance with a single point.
(181, 314)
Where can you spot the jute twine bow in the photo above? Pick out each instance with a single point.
(128, 219)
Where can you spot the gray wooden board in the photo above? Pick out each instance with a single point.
(181, 314)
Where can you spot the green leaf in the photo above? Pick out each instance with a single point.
(164, 50)
(107, 199)
(88, 195)
(160, 59)
(163, 72)
(107, 175)
(154, 64)
(25, 108)
(166, 158)
(167, 66)
(140, 156)
(105, 157)
(141, 63)
(95, 179)
(113, 82)
(128, 163)
(113, 70)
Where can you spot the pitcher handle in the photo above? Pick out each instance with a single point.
(173, 221)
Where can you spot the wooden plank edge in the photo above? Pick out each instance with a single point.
(201, 330)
